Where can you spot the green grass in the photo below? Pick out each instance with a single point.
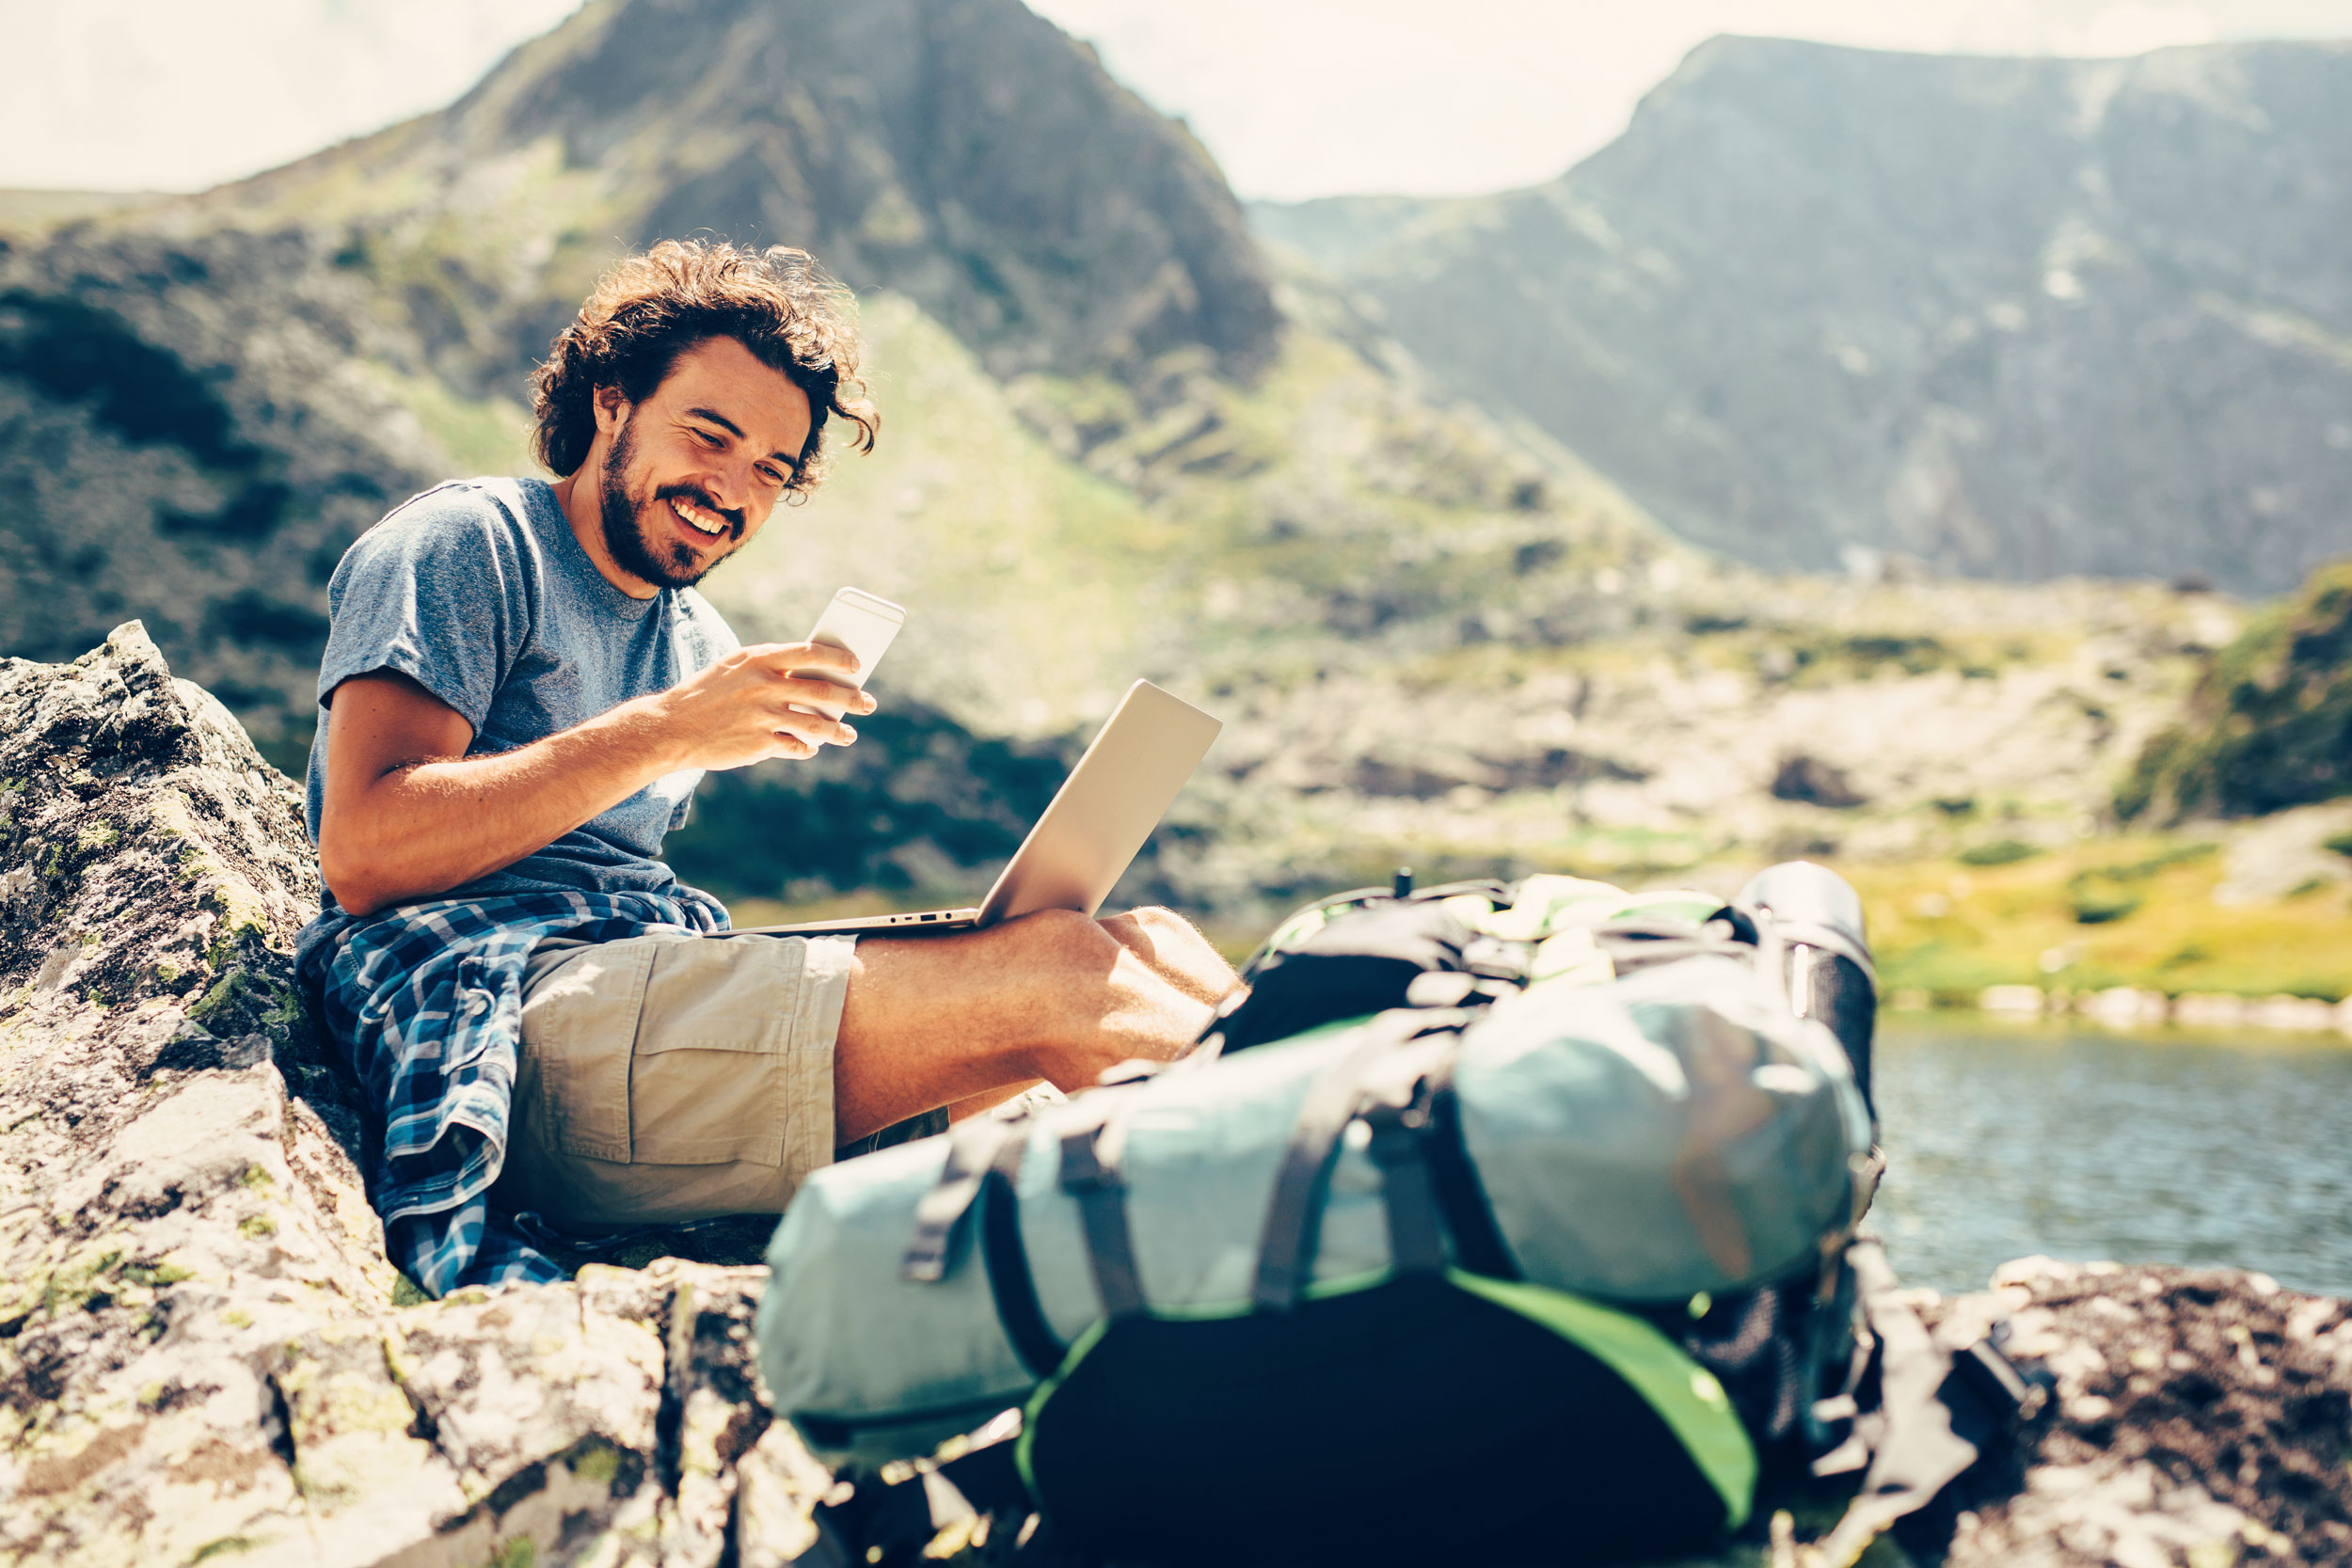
(2125, 912)
(489, 436)
(2001, 851)
(2270, 723)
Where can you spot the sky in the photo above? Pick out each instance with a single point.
(1295, 98)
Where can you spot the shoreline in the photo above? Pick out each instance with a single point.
(2127, 1009)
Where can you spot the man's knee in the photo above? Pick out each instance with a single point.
(1175, 949)
(1061, 941)
(1152, 933)
(1158, 919)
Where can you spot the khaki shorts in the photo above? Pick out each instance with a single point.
(669, 1078)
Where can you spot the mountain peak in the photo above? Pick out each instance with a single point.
(964, 151)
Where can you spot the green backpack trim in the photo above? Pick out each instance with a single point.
(1027, 1440)
(1683, 1394)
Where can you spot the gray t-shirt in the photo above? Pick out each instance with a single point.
(479, 592)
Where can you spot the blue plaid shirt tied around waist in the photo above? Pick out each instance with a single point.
(426, 999)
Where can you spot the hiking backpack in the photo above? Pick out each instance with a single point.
(1491, 1224)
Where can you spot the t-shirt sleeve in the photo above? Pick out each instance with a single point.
(437, 591)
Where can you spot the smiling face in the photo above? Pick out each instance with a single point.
(685, 478)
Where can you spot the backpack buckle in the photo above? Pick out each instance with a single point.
(1494, 958)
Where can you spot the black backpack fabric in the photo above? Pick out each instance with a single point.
(1361, 963)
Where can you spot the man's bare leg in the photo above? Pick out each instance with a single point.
(973, 1019)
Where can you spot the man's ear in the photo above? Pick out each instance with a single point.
(611, 407)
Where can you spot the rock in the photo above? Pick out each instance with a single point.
(203, 1351)
(2201, 1416)
(1813, 781)
(2011, 999)
(204, 1354)
(2285, 855)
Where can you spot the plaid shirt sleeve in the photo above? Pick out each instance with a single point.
(426, 1002)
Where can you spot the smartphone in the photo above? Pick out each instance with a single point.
(864, 623)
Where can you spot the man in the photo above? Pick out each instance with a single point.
(520, 690)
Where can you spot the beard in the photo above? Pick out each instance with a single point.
(630, 533)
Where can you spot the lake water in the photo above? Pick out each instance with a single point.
(2160, 1149)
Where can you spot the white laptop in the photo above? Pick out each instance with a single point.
(1091, 831)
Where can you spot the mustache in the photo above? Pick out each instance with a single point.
(700, 496)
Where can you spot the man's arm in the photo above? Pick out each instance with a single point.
(407, 815)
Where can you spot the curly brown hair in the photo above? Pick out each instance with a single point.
(650, 309)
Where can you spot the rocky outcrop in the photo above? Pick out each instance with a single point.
(965, 152)
(204, 1355)
(2199, 1417)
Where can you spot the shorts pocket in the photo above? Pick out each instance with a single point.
(664, 1052)
(579, 1032)
(708, 1085)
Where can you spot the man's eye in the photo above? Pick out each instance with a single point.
(714, 442)
(771, 476)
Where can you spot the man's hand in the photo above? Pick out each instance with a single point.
(748, 707)
(967, 1020)
(407, 815)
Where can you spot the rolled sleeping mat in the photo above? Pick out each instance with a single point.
(1817, 917)
(878, 1355)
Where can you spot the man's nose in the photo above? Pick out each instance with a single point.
(730, 486)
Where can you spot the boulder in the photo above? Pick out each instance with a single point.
(2197, 1418)
(205, 1356)
(203, 1351)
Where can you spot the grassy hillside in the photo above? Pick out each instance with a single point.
(1260, 542)
(2269, 726)
(1032, 584)
(2139, 910)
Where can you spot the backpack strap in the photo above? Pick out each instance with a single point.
(983, 1166)
(1286, 1245)
(1010, 1285)
(1400, 1137)
(1644, 942)
(940, 1216)
(1091, 1150)
(1917, 1449)
(1470, 1219)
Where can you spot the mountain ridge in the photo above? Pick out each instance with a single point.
(2016, 318)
